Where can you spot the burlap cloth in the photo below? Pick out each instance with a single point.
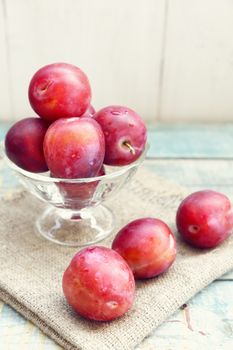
(31, 270)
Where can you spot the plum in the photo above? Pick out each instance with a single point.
(89, 112)
(98, 284)
(78, 195)
(147, 245)
(59, 90)
(24, 144)
(205, 218)
(74, 148)
(125, 134)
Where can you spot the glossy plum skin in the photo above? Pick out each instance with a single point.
(147, 245)
(59, 90)
(122, 126)
(24, 144)
(99, 284)
(74, 148)
(205, 218)
(89, 112)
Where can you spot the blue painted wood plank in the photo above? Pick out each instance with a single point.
(3, 129)
(18, 333)
(192, 140)
(195, 174)
(206, 323)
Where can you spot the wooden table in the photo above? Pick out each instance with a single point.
(195, 156)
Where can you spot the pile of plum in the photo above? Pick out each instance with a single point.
(69, 138)
(72, 141)
(99, 282)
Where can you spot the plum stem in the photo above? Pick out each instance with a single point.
(128, 145)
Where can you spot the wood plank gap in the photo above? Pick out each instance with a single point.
(8, 56)
(189, 158)
(224, 280)
(162, 58)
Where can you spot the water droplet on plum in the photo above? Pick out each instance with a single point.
(194, 229)
(115, 112)
(112, 304)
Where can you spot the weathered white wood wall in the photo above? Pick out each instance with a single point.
(167, 59)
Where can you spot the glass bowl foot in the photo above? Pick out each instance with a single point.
(75, 228)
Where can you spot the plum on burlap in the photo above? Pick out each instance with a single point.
(32, 268)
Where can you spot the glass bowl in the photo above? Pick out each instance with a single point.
(75, 215)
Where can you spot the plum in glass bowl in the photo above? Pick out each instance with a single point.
(75, 215)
